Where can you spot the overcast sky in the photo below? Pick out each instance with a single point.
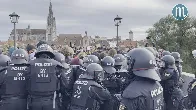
(94, 16)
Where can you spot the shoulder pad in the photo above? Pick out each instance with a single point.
(137, 88)
(56, 63)
(96, 85)
(130, 93)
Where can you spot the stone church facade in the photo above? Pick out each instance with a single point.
(28, 34)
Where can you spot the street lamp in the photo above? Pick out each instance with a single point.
(14, 19)
(117, 21)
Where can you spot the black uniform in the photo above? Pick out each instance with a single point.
(44, 80)
(110, 80)
(123, 79)
(66, 82)
(88, 94)
(144, 92)
(170, 82)
(13, 83)
(178, 62)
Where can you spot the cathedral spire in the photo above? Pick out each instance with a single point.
(51, 25)
(50, 8)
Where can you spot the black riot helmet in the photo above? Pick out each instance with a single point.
(4, 60)
(108, 64)
(90, 59)
(167, 61)
(59, 57)
(95, 71)
(44, 49)
(19, 56)
(166, 53)
(142, 63)
(192, 91)
(119, 59)
(176, 56)
(153, 50)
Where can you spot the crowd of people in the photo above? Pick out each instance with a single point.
(42, 78)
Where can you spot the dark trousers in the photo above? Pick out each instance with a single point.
(43, 104)
(13, 104)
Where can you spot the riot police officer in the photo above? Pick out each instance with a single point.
(90, 59)
(189, 102)
(119, 60)
(88, 93)
(109, 73)
(44, 78)
(80, 70)
(178, 61)
(61, 58)
(13, 82)
(144, 92)
(76, 65)
(170, 82)
(63, 98)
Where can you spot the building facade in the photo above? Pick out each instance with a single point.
(74, 40)
(48, 34)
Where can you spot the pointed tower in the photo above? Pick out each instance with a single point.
(51, 25)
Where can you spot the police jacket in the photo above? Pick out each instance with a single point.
(110, 82)
(13, 81)
(88, 94)
(79, 72)
(170, 78)
(123, 79)
(44, 77)
(142, 94)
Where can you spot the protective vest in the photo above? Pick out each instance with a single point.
(123, 79)
(15, 81)
(110, 80)
(151, 90)
(43, 77)
(81, 97)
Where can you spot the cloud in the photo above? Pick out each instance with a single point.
(94, 16)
